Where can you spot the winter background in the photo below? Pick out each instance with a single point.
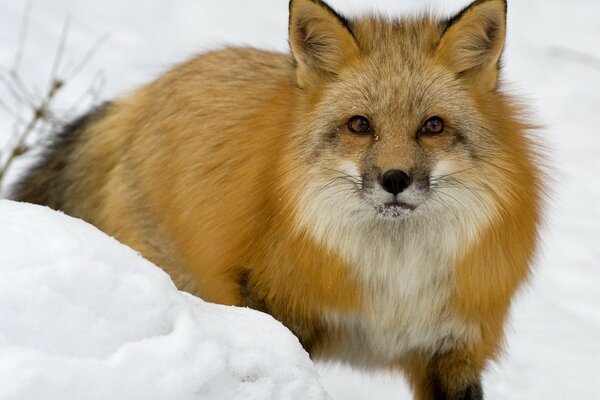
(130, 334)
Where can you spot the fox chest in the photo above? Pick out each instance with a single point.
(407, 294)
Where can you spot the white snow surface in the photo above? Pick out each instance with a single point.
(551, 60)
(85, 317)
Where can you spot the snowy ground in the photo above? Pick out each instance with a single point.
(85, 317)
(552, 59)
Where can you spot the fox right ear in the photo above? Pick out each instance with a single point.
(321, 40)
(473, 41)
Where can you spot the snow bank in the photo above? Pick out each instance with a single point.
(85, 317)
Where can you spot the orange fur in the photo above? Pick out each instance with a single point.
(238, 174)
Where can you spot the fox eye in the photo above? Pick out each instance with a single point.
(433, 126)
(359, 125)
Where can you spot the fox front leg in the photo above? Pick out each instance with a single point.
(449, 376)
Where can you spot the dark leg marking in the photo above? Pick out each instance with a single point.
(441, 389)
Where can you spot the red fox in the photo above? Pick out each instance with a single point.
(376, 190)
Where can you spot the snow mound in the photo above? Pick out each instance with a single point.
(85, 317)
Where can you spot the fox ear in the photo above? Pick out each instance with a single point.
(473, 41)
(321, 40)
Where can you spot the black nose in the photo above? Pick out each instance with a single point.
(395, 181)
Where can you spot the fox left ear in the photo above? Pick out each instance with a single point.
(321, 40)
(473, 41)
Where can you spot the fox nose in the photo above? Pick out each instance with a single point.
(395, 181)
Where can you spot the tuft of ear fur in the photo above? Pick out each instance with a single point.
(321, 40)
(473, 41)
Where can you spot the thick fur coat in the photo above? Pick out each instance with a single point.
(375, 190)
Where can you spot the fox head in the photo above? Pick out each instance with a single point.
(405, 116)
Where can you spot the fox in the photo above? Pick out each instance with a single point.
(376, 189)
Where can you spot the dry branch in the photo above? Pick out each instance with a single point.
(42, 117)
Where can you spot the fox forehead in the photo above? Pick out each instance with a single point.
(397, 81)
(391, 92)
(397, 101)
(404, 37)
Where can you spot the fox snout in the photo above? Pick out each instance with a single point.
(395, 193)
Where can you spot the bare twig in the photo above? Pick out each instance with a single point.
(22, 36)
(54, 80)
(88, 56)
(43, 117)
(90, 96)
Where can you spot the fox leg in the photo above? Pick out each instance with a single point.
(454, 375)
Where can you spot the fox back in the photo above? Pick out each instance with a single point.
(375, 189)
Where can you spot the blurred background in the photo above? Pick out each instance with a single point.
(79, 53)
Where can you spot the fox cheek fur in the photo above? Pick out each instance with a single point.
(376, 191)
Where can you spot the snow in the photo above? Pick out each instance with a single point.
(85, 317)
(553, 344)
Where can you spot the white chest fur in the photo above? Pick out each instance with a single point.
(408, 279)
(405, 268)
